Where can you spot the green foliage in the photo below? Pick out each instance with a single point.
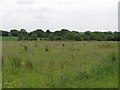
(61, 33)
(65, 34)
(85, 37)
(23, 31)
(58, 37)
(14, 32)
(47, 33)
(33, 37)
(20, 37)
(88, 33)
(39, 32)
(51, 37)
(27, 37)
(70, 36)
(78, 37)
(117, 36)
(8, 38)
(4, 33)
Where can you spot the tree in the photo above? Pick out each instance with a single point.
(116, 36)
(23, 31)
(4, 33)
(98, 36)
(39, 32)
(85, 37)
(78, 37)
(58, 37)
(110, 37)
(14, 32)
(93, 36)
(26, 37)
(20, 37)
(70, 36)
(33, 37)
(47, 33)
(51, 37)
(62, 33)
(88, 33)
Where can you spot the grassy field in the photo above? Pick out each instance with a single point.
(46, 64)
(8, 38)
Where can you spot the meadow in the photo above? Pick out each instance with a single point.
(60, 64)
(9, 38)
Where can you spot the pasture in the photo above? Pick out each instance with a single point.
(59, 64)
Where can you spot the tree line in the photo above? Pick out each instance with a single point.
(63, 34)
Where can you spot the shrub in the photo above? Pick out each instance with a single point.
(51, 37)
(33, 37)
(26, 37)
(20, 37)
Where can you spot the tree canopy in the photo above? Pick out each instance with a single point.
(63, 34)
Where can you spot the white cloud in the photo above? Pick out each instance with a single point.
(78, 15)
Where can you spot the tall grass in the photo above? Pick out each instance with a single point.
(50, 65)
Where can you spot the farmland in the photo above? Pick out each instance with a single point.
(60, 64)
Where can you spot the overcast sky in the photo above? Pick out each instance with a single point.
(78, 15)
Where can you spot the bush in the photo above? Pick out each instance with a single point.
(26, 37)
(33, 37)
(51, 37)
(20, 37)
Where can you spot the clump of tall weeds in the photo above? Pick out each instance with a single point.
(35, 44)
(113, 56)
(46, 49)
(25, 48)
(15, 61)
(29, 64)
(52, 83)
